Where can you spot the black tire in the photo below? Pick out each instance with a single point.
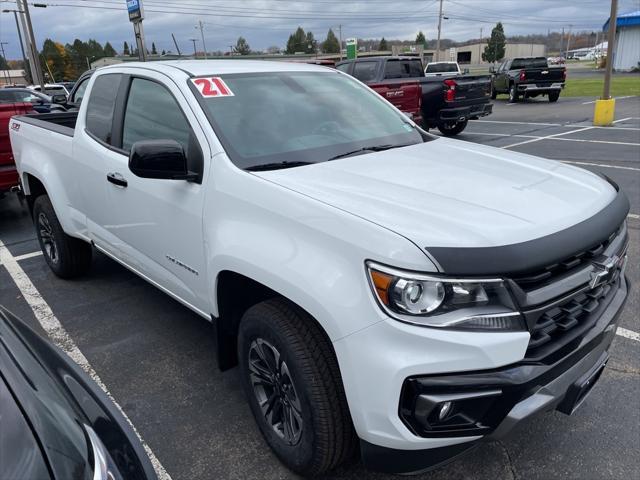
(494, 93)
(321, 435)
(513, 94)
(554, 96)
(450, 130)
(67, 257)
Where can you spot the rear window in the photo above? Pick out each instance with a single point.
(529, 63)
(101, 104)
(365, 71)
(403, 68)
(441, 67)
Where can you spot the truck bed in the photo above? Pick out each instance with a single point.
(59, 122)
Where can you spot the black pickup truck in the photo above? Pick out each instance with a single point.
(446, 103)
(529, 77)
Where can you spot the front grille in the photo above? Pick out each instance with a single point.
(559, 328)
(549, 273)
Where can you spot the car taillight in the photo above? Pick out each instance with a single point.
(450, 92)
(523, 75)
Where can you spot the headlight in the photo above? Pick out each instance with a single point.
(434, 301)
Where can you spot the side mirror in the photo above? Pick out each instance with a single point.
(492, 69)
(59, 98)
(160, 159)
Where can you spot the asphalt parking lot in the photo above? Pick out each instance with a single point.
(156, 357)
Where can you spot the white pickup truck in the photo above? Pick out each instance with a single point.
(379, 287)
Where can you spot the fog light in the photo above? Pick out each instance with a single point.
(445, 408)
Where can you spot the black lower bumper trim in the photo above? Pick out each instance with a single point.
(391, 460)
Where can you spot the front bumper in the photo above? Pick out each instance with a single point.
(460, 114)
(525, 389)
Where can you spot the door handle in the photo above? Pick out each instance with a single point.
(117, 179)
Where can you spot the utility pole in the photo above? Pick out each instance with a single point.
(204, 45)
(7, 75)
(15, 15)
(562, 43)
(340, 33)
(480, 47)
(32, 49)
(439, 30)
(569, 39)
(606, 93)
(195, 53)
(176, 44)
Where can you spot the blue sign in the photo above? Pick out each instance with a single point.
(136, 13)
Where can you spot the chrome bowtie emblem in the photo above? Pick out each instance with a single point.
(603, 270)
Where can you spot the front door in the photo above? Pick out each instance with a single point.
(158, 223)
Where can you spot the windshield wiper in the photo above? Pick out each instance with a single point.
(276, 166)
(374, 148)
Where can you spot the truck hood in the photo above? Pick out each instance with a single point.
(451, 193)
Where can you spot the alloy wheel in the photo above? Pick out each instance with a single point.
(275, 391)
(47, 238)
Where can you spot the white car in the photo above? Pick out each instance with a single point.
(51, 89)
(376, 284)
(442, 69)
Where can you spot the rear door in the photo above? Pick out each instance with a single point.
(501, 78)
(156, 225)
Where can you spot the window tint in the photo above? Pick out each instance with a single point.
(403, 69)
(7, 96)
(365, 71)
(78, 95)
(344, 67)
(442, 68)
(539, 62)
(101, 104)
(153, 114)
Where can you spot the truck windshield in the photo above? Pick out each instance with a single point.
(295, 118)
(540, 62)
(442, 68)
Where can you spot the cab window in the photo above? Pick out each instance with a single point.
(101, 106)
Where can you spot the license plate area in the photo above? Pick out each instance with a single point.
(577, 392)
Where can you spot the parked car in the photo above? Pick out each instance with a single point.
(40, 102)
(445, 103)
(528, 77)
(51, 89)
(442, 69)
(56, 422)
(8, 173)
(376, 284)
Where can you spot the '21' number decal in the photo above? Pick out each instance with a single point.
(212, 87)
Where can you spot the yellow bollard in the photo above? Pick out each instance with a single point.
(604, 112)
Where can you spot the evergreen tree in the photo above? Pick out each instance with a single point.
(420, 39)
(163, 52)
(297, 42)
(383, 47)
(331, 43)
(153, 49)
(125, 49)
(109, 51)
(310, 43)
(495, 49)
(242, 47)
(3, 63)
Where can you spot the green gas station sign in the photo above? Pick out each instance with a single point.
(352, 48)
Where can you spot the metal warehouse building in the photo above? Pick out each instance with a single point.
(627, 47)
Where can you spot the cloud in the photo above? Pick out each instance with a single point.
(266, 23)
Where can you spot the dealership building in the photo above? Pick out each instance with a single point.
(626, 55)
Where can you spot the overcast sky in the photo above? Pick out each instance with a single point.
(264, 23)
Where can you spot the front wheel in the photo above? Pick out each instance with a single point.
(452, 129)
(513, 94)
(68, 257)
(494, 93)
(554, 96)
(291, 378)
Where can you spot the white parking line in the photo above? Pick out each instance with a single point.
(615, 98)
(568, 125)
(547, 137)
(556, 137)
(600, 165)
(27, 255)
(61, 338)
(635, 216)
(623, 332)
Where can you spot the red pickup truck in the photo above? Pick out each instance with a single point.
(434, 102)
(8, 172)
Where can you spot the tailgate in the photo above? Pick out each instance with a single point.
(542, 75)
(472, 87)
(8, 110)
(404, 95)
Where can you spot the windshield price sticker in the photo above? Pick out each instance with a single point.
(212, 87)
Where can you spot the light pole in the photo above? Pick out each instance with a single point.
(7, 75)
(195, 53)
(15, 15)
(604, 112)
(200, 26)
(439, 30)
(34, 56)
